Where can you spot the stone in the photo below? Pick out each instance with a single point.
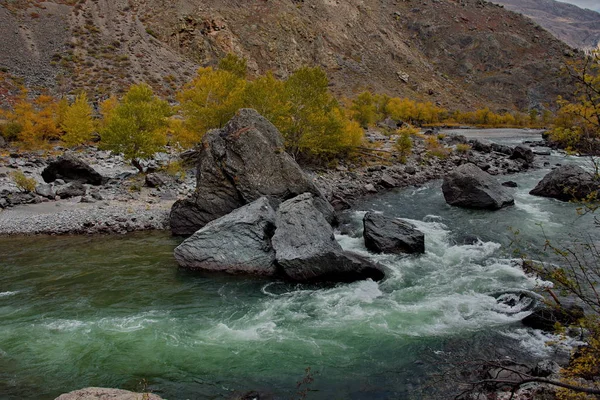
(389, 235)
(306, 249)
(69, 169)
(239, 242)
(72, 189)
(410, 170)
(502, 149)
(154, 180)
(545, 368)
(97, 393)
(238, 164)
(387, 181)
(369, 187)
(45, 190)
(567, 182)
(542, 152)
(521, 152)
(470, 187)
(511, 184)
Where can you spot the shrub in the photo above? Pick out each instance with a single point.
(462, 148)
(404, 146)
(23, 183)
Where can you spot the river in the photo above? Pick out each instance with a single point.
(115, 311)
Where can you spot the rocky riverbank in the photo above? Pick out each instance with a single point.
(127, 200)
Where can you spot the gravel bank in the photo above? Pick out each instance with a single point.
(70, 217)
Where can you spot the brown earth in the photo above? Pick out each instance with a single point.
(459, 54)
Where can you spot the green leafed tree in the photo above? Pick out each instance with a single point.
(137, 125)
(77, 122)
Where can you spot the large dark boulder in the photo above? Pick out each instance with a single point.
(470, 187)
(566, 183)
(522, 153)
(306, 249)
(238, 164)
(239, 242)
(389, 235)
(69, 169)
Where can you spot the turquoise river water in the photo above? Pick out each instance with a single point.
(115, 311)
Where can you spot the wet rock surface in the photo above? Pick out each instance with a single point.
(567, 182)
(239, 242)
(390, 235)
(470, 187)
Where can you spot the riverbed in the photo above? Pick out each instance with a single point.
(115, 311)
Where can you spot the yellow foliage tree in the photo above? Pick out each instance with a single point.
(210, 100)
(137, 125)
(77, 122)
(267, 95)
(34, 122)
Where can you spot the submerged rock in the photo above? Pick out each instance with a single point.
(237, 165)
(306, 249)
(239, 242)
(567, 182)
(470, 187)
(97, 393)
(70, 168)
(388, 235)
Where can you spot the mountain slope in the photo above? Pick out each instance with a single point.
(457, 53)
(579, 28)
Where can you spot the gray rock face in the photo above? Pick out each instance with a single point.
(470, 187)
(238, 164)
(522, 153)
(566, 183)
(306, 249)
(239, 242)
(388, 235)
(96, 393)
(72, 189)
(70, 168)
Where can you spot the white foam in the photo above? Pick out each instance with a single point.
(7, 294)
(65, 325)
(540, 343)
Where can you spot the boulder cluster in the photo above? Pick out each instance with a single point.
(255, 211)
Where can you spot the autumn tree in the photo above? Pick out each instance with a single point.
(34, 122)
(137, 125)
(577, 124)
(77, 122)
(317, 125)
(234, 64)
(267, 95)
(210, 100)
(364, 109)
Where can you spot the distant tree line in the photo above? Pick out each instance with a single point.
(315, 124)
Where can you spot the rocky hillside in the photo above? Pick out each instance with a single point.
(578, 27)
(456, 53)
